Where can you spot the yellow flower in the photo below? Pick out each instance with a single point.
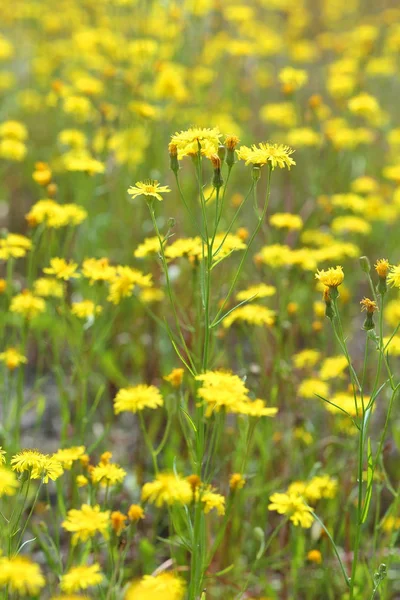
(42, 173)
(118, 521)
(309, 388)
(256, 291)
(107, 474)
(55, 215)
(27, 305)
(12, 358)
(236, 481)
(150, 295)
(368, 305)
(8, 482)
(276, 155)
(308, 357)
(134, 399)
(82, 160)
(48, 287)
(382, 267)
(292, 79)
(12, 150)
(67, 456)
(175, 377)
(13, 129)
(333, 277)
(286, 221)
(167, 488)
(21, 575)
(135, 512)
(123, 282)
(222, 390)
(86, 522)
(394, 276)
(85, 309)
(294, 507)
(14, 246)
(352, 224)
(149, 188)
(153, 587)
(252, 314)
(37, 464)
(98, 269)
(365, 105)
(148, 247)
(282, 114)
(211, 500)
(195, 139)
(314, 556)
(255, 408)
(62, 269)
(333, 367)
(81, 578)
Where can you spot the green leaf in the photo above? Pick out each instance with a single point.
(189, 419)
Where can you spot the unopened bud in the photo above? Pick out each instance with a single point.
(173, 158)
(328, 303)
(365, 264)
(221, 152)
(231, 141)
(256, 173)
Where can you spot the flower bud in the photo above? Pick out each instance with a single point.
(256, 173)
(328, 303)
(221, 152)
(173, 158)
(217, 179)
(382, 267)
(231, 141)
(365, 264)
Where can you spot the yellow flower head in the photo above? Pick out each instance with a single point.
(382, 267)
(97, 269)
(135, 399)
(86, 522)
(167, 489)
(135, 512)
(293, 507)
(81, 578)
(62, 269)
(394, 276)
(48, 287)
(123, 282)
(85, 309)
(12, 358)
(8, 482)
(276, 155)
(175, 377)
(236, 481)
(368, 305)
(314, 556)
(195, 140)
(286, 221)
(108, 474)
(149, 188)
(153, 587)
(37, 464)
(21, 575)
(67, 456)
(27, 305)
(210, 500)
(332, 277)
(118, 521)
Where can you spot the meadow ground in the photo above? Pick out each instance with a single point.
(200, 312)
